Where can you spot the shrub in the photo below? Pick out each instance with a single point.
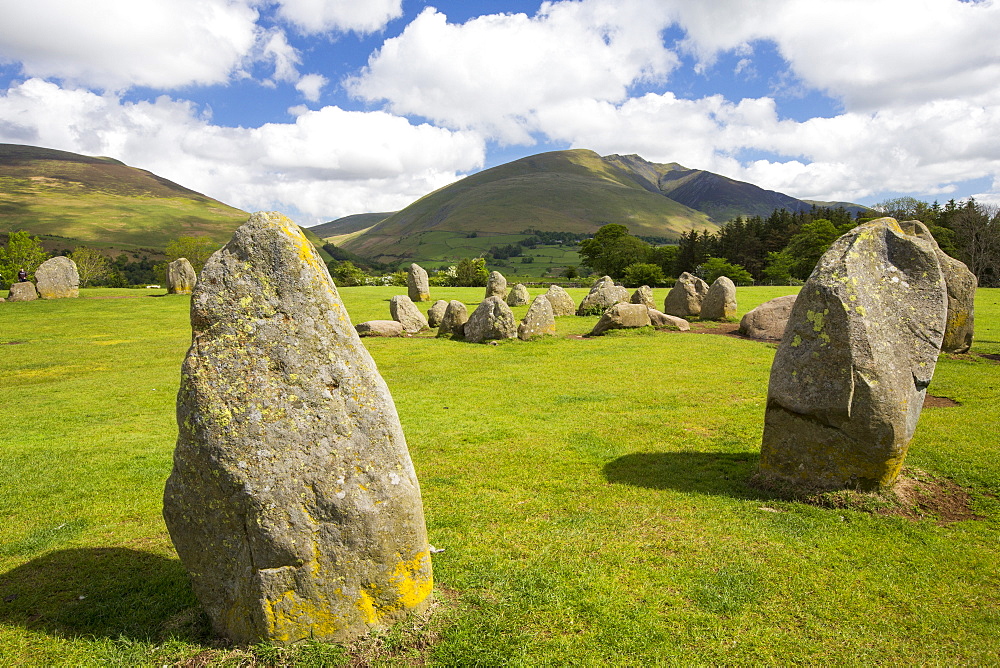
(641, 273)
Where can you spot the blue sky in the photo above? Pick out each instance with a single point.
(323, 108)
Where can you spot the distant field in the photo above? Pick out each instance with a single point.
(440, 248)
(590, 496)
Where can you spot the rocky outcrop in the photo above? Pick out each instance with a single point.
(849, 377)
(293, 503)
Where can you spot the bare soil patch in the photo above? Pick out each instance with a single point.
(990, 356)
(930, 401)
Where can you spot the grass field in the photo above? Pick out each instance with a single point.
(591, 497)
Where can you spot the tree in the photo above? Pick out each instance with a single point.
(23, 251)
(345, 274)
(196, 249)
(643, 273)
(714, 267)
(778, 270)
(977, 240)
(612, 250)
(812, 240)
(90, 265)
(471, 272)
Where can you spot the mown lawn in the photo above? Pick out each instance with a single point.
(591, 497)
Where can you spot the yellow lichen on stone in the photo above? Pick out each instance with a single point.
(411, 582)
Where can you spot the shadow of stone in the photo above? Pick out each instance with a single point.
(716, 473)
(103, 593)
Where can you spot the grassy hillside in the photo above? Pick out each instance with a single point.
(101, 201)
(573, 191)
(348, 224)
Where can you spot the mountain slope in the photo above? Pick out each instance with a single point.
(103, 201)
(572, 191)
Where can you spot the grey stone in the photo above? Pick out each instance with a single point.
(849, 377)
(417, 287)
(684, 299)
(496, 285)
(518, 296)
(492, 319)
(962, 285)
(380, 328)
(661, 320)
(767, 321)
(404, 311)
(720, 300)
(622, 316)
(454, 319)
(562, 303)
(57, 278)
(181, 277)
(436, 312)
(538, 321)
(293, 503)
(22, 292)
(643, 295)
(603, 295)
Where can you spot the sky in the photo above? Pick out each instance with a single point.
(325, 108)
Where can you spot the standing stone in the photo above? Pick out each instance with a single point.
(518, 296)
(643, 295)
(562, 303)
(491, 320)
(538, 321)
(454, 319)
(57, 278)
(496, 286)
(380, 328)
(436, 312)
(684, 299)
(22, 292)
(293, 503)
(622, 316)
(720, 300)
(603, 295)
(962, 285)
(406, 312)
(417, 287)
(661, 320)
(850, 375)
(181, 278)
(767, 321)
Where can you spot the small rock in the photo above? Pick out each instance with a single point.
(405, 311)
(684, 299)
(767, 321)
(518, 296)
(661, 320)
(417, 286)
(622, 316)
(496, 286)
(538, 321)
(58, 278)
(454, 319)
(720, 300)
(643, 295)
(380, 328)
(436, 312)
(562, 303)
(492, 319)
(22, 292)
(603, 295)
(181, 277)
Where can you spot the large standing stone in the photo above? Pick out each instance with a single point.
(603, 295)
(538, 321)
(850, 375)
(22, 292)
(622, 316)
(491, 320)
(454, 319)
(518, 295)
(293, 502)
(417, 287)
(661, 320)
(496, 286)
(720, 300)
(767, 321)
(57, 278)
(962, 285)
(406, 312)
(181, 277)
(436, 312)
(684, 299)
(643, 295)
(562, 303)
(380, 328)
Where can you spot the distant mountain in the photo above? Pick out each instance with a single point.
(562, 191)
(102, 201)
(348, 224)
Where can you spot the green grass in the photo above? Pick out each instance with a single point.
(591, 497)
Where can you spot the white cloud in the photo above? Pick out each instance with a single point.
(318, 16)
(325, 164)
(111, 44)
(495, 72)
(311, 86)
